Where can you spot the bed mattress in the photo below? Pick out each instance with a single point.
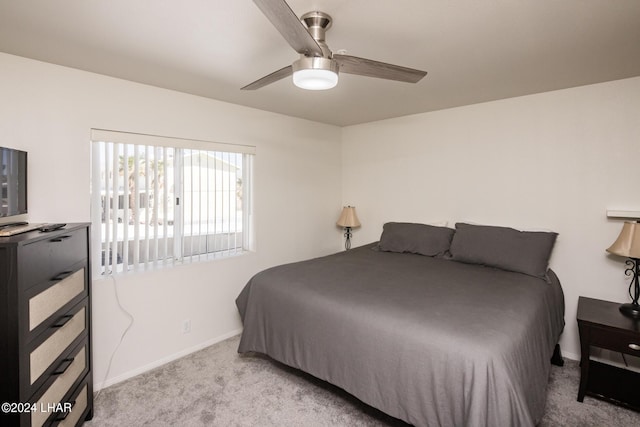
(427, 340)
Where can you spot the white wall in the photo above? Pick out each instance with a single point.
(49, 110)
(555, 160)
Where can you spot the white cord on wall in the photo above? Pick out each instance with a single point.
(124, 333)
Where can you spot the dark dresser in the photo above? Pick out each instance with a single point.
(45, 328)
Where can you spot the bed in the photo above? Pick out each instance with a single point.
(428, 324)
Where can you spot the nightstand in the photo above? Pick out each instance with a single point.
(602, 325)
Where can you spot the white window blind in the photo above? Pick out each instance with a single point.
(159, 200)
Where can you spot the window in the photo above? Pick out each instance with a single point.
(158, 200)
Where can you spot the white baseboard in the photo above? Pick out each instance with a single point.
(570, 355)
(132, 373)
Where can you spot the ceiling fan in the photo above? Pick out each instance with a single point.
(318, 67)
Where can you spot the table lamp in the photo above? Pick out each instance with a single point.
(348, 220)
(628, 245)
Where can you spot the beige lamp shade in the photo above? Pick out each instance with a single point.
(628, 242)
(348, 217)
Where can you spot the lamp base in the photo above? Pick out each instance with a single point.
(347, 235)
(631, 310)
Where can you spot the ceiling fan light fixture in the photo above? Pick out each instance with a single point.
(315, 73)
(317, 68)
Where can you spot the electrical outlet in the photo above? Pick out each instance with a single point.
(186, 326)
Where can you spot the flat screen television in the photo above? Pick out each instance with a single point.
(13, 178)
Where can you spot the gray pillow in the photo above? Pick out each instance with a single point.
(506, 248)
(420, 239)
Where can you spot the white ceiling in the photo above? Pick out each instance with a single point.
(473, 50)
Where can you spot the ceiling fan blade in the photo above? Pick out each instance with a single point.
(271, 78)
(288, 24)
(367, 67)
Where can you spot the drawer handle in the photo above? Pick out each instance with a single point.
(62, 275)
(634, 346)
(62, 321)
(63, 415)
(59, 239)
(62, 367)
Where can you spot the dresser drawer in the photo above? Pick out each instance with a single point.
(43, 304)
(51, 398)
(67, 328)
(54, 255)
(620, 341)
(78, 403)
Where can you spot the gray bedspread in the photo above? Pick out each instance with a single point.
(431, 341)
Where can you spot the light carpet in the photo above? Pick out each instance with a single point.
(218, 387)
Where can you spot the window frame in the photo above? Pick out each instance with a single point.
(104, 267)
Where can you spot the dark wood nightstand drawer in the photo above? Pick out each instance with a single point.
(620, 341)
